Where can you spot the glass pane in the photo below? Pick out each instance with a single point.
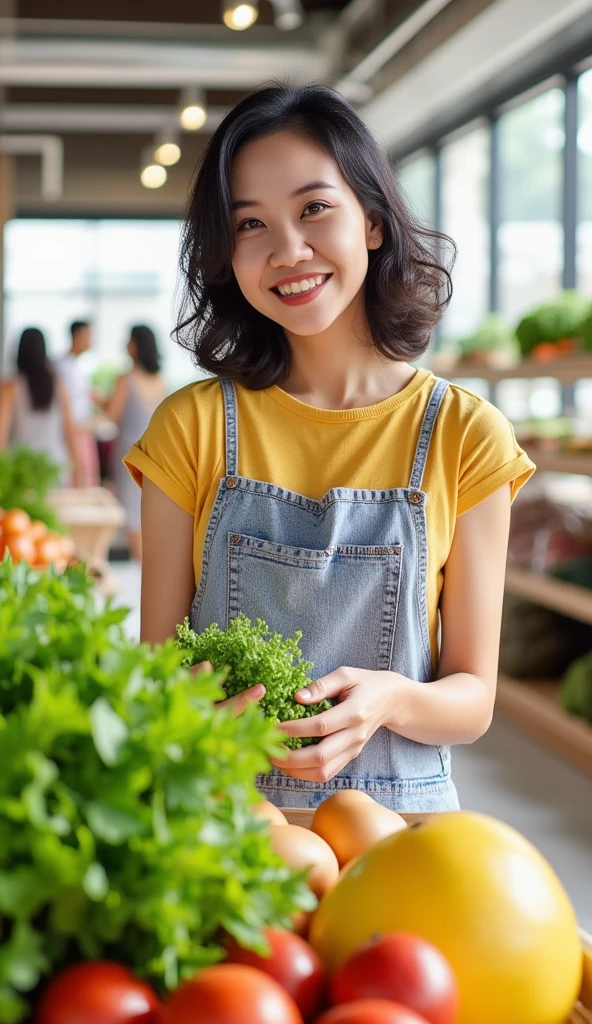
(465, 217)
(584, 236)
(531, 232)
(116, 273)
(418, 178)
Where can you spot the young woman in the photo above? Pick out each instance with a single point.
(135, 397)
(322, 482)
(35, 408)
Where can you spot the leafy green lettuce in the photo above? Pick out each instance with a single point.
(249, 655)
(125, 798)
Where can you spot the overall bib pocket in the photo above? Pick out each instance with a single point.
(342, 598)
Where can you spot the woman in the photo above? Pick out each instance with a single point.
(135, 397)
(323, 483)
(35, 408)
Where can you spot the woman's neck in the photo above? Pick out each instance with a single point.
(342, 369)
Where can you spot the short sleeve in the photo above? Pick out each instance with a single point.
(167, 451)
(491, 457)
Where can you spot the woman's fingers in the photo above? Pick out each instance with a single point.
(203, 666)
(324, 724)
(326, 687)
(242, 700)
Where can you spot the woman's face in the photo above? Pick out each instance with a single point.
(300, 228)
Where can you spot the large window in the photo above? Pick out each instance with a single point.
(530, 237)
(418, 178)
(114, 272)
(465, 199)
(584, 236)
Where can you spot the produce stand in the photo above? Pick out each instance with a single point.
(92, 516)
(582, 1014)
(534, 706)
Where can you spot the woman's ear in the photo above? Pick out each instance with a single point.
(374, 232)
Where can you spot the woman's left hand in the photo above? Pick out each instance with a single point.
(366, 701)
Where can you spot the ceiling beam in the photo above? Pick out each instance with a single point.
(91, 118)
(115, 64)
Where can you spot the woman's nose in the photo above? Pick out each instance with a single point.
(289, 247)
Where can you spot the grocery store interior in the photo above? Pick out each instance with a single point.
(485, 108)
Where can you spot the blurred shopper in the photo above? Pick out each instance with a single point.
(35, 407)
(136, 396)
(78, 386)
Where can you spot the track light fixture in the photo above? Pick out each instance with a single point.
(192, 110)
(152, 174)
(239, 15)
(167, 150)
(287, 14)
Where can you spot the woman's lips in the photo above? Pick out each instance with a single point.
(301, 298)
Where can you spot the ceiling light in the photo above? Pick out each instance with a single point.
(192, 110)
(152, 175)
(167, 153)
(239, 16)
(287, 14)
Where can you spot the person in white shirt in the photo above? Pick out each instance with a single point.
(78, 387)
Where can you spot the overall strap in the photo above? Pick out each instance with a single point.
(231, 430)
(425, 435)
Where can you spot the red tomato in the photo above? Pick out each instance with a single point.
(97, 992)
(404, 968)
(370, 1011)
(15, 521)
(37, 530)
(293, 963)
(229, 994)
(21, 547)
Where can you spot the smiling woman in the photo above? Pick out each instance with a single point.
(321, 483)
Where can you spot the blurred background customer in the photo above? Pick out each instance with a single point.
(75, 379)
(135, 397)
(35, 407)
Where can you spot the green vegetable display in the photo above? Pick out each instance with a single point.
(552, 321)
(250, 655)
(125, 798)
(493, 335)
(26, 477)
(585, 331)
(576, 693)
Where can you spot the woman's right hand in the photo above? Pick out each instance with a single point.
(241, 701)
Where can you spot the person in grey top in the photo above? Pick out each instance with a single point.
(35, 408)
(136, 396)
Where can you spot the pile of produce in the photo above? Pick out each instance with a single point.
(493, 343)
(31, 541)
(249, 655)
(26, 478)
(553, 328)
(576, 692)
(126, 830)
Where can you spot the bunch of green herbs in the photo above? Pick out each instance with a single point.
(26, 477)
(249, 655)
(126, 829)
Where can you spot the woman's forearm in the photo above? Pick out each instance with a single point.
(455, 709)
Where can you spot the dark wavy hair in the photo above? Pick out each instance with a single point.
(33, 364)
(408, 284)
(147, 354)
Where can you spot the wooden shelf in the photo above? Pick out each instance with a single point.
(567, 371)
(534, 708)
(570, 600)
(560, 462)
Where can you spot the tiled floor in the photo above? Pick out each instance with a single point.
(509, 776)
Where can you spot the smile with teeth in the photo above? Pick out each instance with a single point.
(305, 285)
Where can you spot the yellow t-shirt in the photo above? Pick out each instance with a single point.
(282, 441)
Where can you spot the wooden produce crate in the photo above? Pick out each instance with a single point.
(582, 1013)
(92, 516)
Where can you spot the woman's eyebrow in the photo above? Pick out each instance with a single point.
(240, 204)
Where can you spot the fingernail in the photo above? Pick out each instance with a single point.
(305, 694)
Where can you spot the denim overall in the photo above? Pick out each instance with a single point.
(349, 571)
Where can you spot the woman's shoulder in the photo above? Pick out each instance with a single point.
(184, 409)
(470, 412)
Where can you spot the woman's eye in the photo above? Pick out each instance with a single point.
(249, 225)
(316, 207)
